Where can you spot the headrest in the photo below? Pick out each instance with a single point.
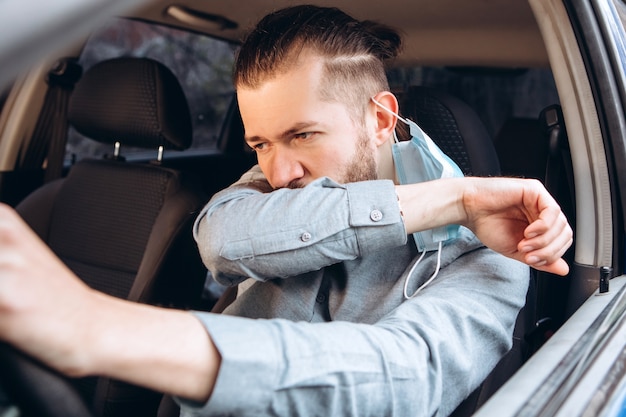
(455, 127)
(135, 101)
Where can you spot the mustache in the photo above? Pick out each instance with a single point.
(293, 185)
(296, 184)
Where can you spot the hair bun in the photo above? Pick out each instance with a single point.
(387, 42)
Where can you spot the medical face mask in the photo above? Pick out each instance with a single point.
(420, 160)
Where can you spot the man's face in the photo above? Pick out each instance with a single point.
(298, 137)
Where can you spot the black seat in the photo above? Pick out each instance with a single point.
(521, 144)
(125, 228)
(455, 127)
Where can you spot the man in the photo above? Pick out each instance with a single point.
(321, 214)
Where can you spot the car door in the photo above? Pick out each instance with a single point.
(579, 371)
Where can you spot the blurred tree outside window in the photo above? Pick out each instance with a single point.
(203, 66)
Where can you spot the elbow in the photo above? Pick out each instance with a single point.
(208, 243)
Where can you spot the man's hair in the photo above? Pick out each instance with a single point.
(354, 52)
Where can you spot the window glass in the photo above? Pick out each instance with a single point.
(203, 66)
(495, 94)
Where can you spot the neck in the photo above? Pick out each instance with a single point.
(386, 167)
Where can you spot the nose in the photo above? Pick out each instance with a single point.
(283, 167)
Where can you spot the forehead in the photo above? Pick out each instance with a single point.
(287, 98)
(302, 76)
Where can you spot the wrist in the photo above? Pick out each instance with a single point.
(432, 204)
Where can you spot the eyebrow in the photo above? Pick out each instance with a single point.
(297, 127)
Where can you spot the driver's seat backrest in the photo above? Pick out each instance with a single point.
(125, 228)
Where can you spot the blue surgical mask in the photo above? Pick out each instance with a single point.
(420, 160)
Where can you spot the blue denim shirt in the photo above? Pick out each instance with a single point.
(328, 263)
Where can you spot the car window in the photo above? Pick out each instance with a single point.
(496, 94)
(203, 66)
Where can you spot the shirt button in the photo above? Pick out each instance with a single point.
(376, 215)
(320, 298)
(305, 237)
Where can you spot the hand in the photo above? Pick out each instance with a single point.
(49, 313)
(520, 219)
(41, 301)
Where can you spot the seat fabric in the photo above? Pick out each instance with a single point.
(455, 127)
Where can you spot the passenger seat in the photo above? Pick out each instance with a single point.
(457, 129)
(522, 147)
(122, 227)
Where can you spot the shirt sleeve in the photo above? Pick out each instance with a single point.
(249, 230)
(422, 359)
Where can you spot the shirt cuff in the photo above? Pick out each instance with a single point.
(248, 372)
(375, 215)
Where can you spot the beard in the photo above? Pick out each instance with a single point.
(362, 167)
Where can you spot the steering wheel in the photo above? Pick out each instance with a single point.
(37, 390)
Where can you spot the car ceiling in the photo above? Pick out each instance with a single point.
(436, 32)
(500, 33)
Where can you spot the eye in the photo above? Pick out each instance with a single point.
(259, 147)
(303, 135)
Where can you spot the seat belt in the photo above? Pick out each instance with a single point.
(47, 145)
(559, 181)
(559, 166)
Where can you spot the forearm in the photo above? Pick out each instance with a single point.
(432, 204)
(242, 233)
(162, 349)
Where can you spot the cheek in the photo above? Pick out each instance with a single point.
(328, 162)
(264, 163)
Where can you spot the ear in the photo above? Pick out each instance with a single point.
(385, 120)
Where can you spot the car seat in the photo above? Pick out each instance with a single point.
(125, 228)
(522, 148)
(457, 129)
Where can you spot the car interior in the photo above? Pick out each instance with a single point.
(110, 148)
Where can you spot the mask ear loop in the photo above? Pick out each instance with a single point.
(419, 260)
(402, 119)
(432, 277)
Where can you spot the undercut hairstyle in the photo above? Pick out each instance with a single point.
(354, 52)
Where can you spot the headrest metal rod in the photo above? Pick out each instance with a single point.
(160, 153)
(116, 151)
